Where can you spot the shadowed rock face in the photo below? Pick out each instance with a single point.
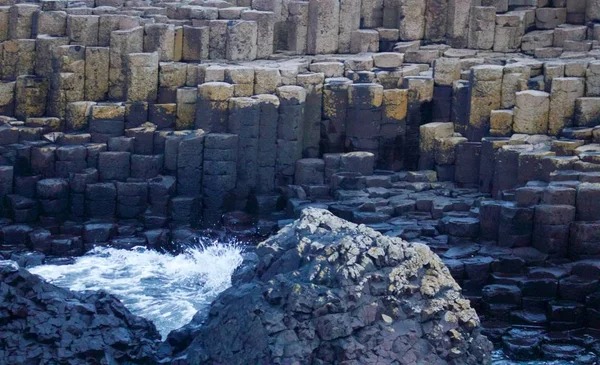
(326, 291)
(44, 324)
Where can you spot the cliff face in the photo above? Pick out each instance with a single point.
(44, 324)
(327, 291)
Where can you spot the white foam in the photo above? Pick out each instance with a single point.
(167, 289)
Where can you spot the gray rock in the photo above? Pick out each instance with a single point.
(46, 323)
(325, 290)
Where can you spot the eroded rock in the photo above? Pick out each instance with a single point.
(326, 291)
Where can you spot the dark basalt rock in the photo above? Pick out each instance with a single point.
(327, 291)
(43, 324)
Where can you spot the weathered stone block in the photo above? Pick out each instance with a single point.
(481, 27)
(565, 91)
(323, 28)
(310, 171)
(114, 165)
(531, 112)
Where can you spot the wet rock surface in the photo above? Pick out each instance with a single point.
(43, 324)
(324, 290)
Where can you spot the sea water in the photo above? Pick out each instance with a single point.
(166, 289)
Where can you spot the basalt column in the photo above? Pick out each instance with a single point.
(364, 117)
(446, 72)
(20, 22)
(160, 38)
(265, 21)
(219, 180)
(212, 106)
(349, 22)
(195, 43)
(458, 22)
(67, 80)
(297, 23)
(7, 98)
(17, 58)
(97, 66)
(132, 199)
(565, 91)
(313, 84)
(30, 96)
(244, 121)
(468, 160)
(420, 96)
(83, 29)
(44, 51)
(486, 95)
(411, 19)
(292, 100)
(241, 42)
(428, 137)
(335, 104)
(506, 168)
(78, 182)
(190, 155)
(106, 121)
(514, 74)
(53, 195)
(142, 77)
(171, 76)
(186, 107)
(267, 142)
(323, 26)
(489, 145)
(393, 129)
(70, 159)
(461, 101)
(482, 25)
(436, 19)
(122, 43)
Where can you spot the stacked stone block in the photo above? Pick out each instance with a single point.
(393, 129)
(267, 142)
(289, 131)
(190, 154)
(132, 199)
(212, 106)
(107, 120)
(335, 106)
(486, 95)
(365, 113)
(244, 121)
(100, 200)
(219, 178)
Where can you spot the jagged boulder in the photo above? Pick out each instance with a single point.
(327, 291)
(44, 324)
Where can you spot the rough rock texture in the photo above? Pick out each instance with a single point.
(327, 291)
(43, 324)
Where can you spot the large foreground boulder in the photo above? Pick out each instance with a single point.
(44, 324)
(327, 291)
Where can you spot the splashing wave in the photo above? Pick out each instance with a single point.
(167, 289)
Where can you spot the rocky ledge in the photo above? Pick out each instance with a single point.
(327, 291)
(43, 324)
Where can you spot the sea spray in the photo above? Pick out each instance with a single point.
(167, 289)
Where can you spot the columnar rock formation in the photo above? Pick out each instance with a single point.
(122, 120)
